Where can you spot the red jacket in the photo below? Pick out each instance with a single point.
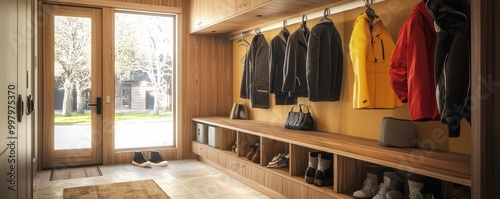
(412, 65)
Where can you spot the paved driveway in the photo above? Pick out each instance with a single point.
(128, 134)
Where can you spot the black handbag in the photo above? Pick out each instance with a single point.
(300, 120)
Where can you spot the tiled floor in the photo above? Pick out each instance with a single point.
(181, 179)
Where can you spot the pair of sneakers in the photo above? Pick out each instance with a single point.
(279, 161)
(155, 158)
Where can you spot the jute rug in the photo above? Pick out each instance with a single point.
(122, 190)
(71, 173)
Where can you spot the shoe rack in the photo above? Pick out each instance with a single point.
(350, 157)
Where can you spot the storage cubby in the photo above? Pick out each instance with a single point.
(271, 148)
(351, 155)
(351, 174)
(245, 142)
(299, 161)
(227, 139)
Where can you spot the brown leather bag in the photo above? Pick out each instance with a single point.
(239, 111)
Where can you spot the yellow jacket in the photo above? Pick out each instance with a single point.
(371, 48)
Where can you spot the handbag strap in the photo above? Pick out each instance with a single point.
(300, 106)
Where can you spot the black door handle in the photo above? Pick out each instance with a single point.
(98, 105)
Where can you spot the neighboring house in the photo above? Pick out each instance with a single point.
(131, 95)
(134, 95)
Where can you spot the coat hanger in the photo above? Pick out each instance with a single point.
(369, 11)
(325, 16)
(243, 41)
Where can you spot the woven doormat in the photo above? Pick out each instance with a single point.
(122, 190)
(71, 173)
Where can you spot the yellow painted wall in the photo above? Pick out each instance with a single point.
(340, 117)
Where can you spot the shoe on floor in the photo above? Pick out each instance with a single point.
(156, 158)
(139, 159)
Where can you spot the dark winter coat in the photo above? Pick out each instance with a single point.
(452, 61)
(412, 65)
(294, 74)
(255, 82)
(277, 49)
(325, 62)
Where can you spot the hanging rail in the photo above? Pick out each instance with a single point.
(320, 13)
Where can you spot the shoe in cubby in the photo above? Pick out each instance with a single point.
(279, 161)
(422, 187)
(256, 156)
(392, 187)
(312, 166)
(324, 173)
(374, 176)
(252, 152)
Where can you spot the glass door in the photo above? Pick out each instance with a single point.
(72, 86)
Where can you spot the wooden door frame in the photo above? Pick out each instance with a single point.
(49, 155)
(485, 109)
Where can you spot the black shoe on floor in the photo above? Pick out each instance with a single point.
(140, 159)
(156, 158)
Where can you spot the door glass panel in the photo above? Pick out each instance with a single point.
(144, 60)
(72, 64)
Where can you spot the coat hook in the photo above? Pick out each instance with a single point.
(326, 12)
(257, 31)
(304, 19)
(285, 23)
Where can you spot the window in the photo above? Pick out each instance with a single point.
(144, 71)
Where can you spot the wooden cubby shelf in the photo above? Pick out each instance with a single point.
(351, 155)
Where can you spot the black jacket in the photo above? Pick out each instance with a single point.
(325, 62)
(294, 74)
(255, 82)
(452, 61)
(277, 49)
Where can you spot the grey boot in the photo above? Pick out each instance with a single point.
(422, 187)
(392, 187)
(370, 187)
(324, 174)
(311, 169)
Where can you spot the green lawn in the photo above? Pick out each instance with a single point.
(85, 118)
